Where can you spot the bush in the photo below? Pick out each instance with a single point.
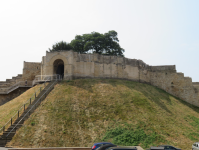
(131, 137)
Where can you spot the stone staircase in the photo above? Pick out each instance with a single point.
(10, 132)
(10, 82)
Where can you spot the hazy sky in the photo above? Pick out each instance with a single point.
(159, 32)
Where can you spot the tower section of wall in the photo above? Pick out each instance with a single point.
(30, 70)
(48, 61)
(166, 78)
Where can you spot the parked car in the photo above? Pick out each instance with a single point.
(105, 147)
(122, 148)
(97, 145)
(155, 148)
(169, 147)
(195, 146)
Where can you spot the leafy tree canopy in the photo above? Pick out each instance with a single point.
(106, 44)
(61, 46)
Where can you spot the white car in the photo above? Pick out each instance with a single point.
(195, 146)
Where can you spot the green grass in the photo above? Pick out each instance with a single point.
(81, 112)
(10, 108)
(128, 136)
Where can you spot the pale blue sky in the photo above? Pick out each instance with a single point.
(159, 32)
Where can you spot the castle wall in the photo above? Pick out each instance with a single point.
(100, 66)
(175, 83)
(164, 77)
(30, 70)
(92, 66)
(4, 85)
(47, 64)
(43, 65)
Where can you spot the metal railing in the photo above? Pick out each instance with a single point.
(22, 108)
(29, 101)
(44, 78)
(34, 106)
(15, 86)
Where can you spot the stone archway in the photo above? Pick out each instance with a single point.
(58, 67)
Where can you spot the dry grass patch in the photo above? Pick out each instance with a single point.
(81, 112)
(10, 108)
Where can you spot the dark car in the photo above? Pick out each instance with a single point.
(105, 147)
(97, 145)
(169, 147)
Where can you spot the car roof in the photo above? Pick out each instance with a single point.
(102, 143)
(167, 145)
(123, 147)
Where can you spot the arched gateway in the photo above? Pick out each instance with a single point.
(58, 67)
(55, 63)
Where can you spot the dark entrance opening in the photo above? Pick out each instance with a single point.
(59, 67)
(60, 70)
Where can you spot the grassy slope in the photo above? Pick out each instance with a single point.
(10, 108)
(84, 111)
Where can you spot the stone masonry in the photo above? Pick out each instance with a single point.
(72, 65)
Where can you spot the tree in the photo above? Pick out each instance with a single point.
(112, 46)
(78, 44)
(60, 46)
(106, 44)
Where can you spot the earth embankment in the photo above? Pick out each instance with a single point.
(80, 112)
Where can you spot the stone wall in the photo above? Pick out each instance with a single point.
(164, 77)
(100, 66)
(9, 82)
(47, 64)
(175, 83)
(30, 70)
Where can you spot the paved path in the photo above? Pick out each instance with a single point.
(3, 148)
